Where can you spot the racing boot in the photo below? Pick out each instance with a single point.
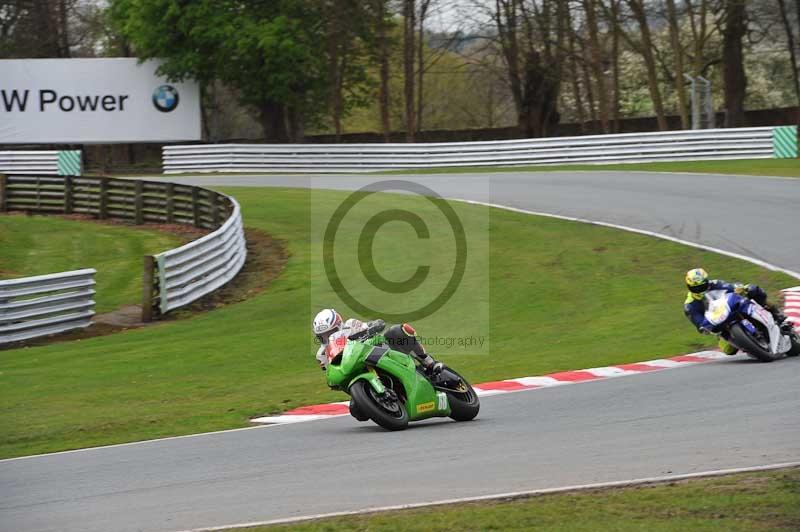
(432, 368)
(726, 347)
(781, 319)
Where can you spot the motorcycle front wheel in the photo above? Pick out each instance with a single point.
(747, 343)
(389, 413)
(464, 402)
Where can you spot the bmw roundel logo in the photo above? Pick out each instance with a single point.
(165, 98)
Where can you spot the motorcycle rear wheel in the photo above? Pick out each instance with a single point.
(743, 340)
(371, 405)
(795, 349)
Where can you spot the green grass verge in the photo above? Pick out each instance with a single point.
(37, 245)
(561, 295)
(759, 167)
(746, 503)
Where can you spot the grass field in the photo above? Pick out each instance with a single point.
(561, 295)
(746, 503)
(762, 167)
(758, 167)
(37, 245)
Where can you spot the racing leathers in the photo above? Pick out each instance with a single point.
(401, 338)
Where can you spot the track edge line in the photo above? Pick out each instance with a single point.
(752, 260)
(509, 495)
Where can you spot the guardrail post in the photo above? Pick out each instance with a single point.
(170, 203)
(196, 206)
(148, 287)
(3, 189)
(103, 207)
(138, 202)
(215, 217)
(68, 194)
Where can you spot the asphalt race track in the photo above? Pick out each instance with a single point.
(754, 216)
(720, 415)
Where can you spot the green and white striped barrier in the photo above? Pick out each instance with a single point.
(784, 142)
(69, 162)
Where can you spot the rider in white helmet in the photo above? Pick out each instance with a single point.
(328, 321)
(400, 337)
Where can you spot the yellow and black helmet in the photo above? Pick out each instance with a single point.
(697, 280)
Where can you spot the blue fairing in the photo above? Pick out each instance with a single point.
(749, 326)
(737, 304)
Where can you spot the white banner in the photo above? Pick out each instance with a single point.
(77, 101)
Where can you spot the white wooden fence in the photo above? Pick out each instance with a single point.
(31, 307)
(187, 273)
(705, 144)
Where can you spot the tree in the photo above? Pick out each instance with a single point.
(423, 14)
(699, 15)
(595, 60)
(613, 22)
(531, 37)
(734, 29)
(646, 49)
(677, 51)
(790, 44)
(409, 46)
(572, 61)
(382, 50)
(268, 51)
(348, 28)
(30, 28)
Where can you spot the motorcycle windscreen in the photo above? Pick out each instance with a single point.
(336, 345)
(718, 311)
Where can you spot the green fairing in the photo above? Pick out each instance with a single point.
(422, 400)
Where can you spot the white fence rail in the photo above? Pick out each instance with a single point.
(708, 144)
(193, 270)
(41, 162)
(46, 304)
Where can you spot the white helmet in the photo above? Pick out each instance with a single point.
(326, 322)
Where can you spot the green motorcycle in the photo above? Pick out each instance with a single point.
(388, 387)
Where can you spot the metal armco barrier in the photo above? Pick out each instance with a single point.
(187, 273)
(32, 307)
(46, 162)
(171, 279)
(707, 144)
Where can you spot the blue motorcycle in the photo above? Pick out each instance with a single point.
(750, 327)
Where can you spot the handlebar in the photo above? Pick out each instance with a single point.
(373, 328)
